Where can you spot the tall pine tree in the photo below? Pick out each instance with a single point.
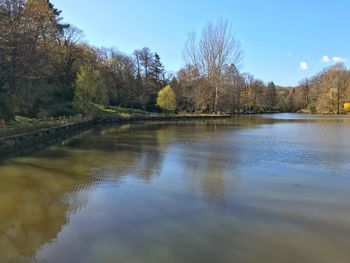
(157, 70)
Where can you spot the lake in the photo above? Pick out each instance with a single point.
(270, 188)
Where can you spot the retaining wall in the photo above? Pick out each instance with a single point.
(25, 143)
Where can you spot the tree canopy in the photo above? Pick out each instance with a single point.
(166, 99)
(89, 89)
(48, 70)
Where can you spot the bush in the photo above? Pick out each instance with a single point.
(6, 111)
(312, 109)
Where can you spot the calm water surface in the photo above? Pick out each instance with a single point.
(254, 189)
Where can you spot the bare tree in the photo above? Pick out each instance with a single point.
(137, 56)
(212, 53)
(146, 58)
(330, 88)
(305, 92)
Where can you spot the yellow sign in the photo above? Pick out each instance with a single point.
(347, 106)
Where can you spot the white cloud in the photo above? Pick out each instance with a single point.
(338, 59)
(303, 65)
(325, 59)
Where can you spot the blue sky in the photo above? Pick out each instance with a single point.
(284, 41)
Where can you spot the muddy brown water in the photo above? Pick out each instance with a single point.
(272, 188)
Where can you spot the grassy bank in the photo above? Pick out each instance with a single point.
(24, 125)
(127, 113)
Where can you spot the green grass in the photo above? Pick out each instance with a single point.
(123, 113)
(115, 111)
(25, 125)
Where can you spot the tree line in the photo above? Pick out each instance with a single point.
(48, 70)
(326, 92)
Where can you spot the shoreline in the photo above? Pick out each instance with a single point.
(28, 142)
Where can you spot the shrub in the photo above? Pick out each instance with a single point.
(312, 109)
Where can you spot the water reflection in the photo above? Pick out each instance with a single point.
(38, 194)
(32, 207)
(244, 189)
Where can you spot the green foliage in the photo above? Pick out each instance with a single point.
(271, 96)
(156, 69)
(283, 104)
(166, 99)
(6, 111)
(312, 109)
(45, 78)
(292, 107)
(89, 89)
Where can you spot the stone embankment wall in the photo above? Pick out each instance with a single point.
(44, 137)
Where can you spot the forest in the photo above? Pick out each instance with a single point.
(47, 69)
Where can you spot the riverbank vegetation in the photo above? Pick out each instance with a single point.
(328, 92)
(47, 69)
(23, 125)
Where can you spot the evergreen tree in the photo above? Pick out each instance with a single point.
(57, 16)
(157, 70)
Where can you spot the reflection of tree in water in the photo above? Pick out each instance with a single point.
(33, 207)
(209, 159)
(211, 176)
(133, 150)
(38, 194)
(209, 165)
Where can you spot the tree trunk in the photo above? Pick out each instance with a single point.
(216, 99)
(338, 102)
(12, 99)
